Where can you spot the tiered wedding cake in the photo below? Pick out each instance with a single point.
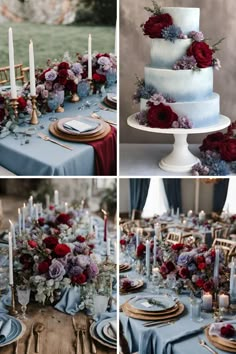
(180, 74)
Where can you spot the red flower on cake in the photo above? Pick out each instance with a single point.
(61, 250)
(155, 24)
(212, 142)
(50, 242)
(228, 150)
(202, 53)
(161, 116)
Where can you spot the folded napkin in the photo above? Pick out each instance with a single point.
(5, 329)
(113, 325)
(81, 125)
(70, 301)
(5, 301)
(215, 328)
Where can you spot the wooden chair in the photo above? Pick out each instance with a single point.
(173, 237)
(220, 231)
(187, 238)
(227, 246)
(20, 71)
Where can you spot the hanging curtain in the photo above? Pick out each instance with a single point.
(173, 192)
(138, 195)
(220, 194)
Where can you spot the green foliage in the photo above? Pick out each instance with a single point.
(100, 12)
(156, 8)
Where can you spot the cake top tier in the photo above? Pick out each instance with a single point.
(187, 18)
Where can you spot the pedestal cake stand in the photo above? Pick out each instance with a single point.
(180, 159)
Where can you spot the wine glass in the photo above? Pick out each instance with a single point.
(53, 104)
(23, 295)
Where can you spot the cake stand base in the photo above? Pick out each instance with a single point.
(180, 159)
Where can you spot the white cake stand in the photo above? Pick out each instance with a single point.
(180, 159)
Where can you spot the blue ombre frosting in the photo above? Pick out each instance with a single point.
(187, 18)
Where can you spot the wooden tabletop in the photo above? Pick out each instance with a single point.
(58, 337)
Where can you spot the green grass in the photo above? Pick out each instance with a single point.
(52, 41)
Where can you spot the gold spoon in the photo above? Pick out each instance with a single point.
(38, 328)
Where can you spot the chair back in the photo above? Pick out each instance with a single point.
(227, 246)
(20, 72)
(173, 237)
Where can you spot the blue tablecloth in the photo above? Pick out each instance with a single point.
(43, 158)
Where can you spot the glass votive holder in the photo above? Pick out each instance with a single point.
(195, 309)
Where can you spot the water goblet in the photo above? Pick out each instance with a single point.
(53, 104)
(23, 295)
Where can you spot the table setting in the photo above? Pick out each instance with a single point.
(58, 270)
(176, 297)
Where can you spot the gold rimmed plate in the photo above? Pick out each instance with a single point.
(220, 342)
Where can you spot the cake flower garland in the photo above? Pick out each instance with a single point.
(198, 56)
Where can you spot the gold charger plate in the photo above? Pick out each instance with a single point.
(92, 331)
(79, 139)
(61, 122)
(125, 267)
(109, 103)
(153, 317)
(221, 343)
(132, 288)
(153, 313)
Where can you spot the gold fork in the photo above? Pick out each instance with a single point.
(95, 115)
(46, 138)
(206, 346)
(77, 332)
(83, 328)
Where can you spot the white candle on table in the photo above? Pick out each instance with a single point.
(148, 258)
(172, 212)
(177, 214)
(32, 69)
(137, 239)
(207, 302)
(23, 217)
(157, 229)
(47, 199)
(90, 59)
(155, 251)
(232, 284)
(223, 300)
(190, 214)
(216, 265)
(202, 216)
(96, 231)
(108, 246)
(31, 206)
(36, 211)
(10, 259)
(66, 207)
(56, 197)
(12, 64)
(12, 231)
(19, 221)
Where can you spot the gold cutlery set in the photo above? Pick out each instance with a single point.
(82, 345)
(36, 330)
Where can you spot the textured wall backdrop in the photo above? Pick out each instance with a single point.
(217, 20)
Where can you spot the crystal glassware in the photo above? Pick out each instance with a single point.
(100, 305)
(23, 295)
(53, 104)
(195, 309)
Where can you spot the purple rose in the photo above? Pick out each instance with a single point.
(77, 68)
(93, 270)
(76, 270)
(82, 261)
(51, 75)
(56, 270)
(105, 63)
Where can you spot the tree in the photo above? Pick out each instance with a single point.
(102, 12)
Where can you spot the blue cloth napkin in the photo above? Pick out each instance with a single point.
(70, 301)
(5, 301)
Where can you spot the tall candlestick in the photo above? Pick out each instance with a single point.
(108, 246)
(148, 258)
(23, 217)
(31, 206)
(216, 266)
(32, 69)
(155, 251)
(157, 229)
(13, 234)
(96, 231)
(56, 197)
(12, 64)
(66, 207)
(116, 40)
(197, 191)
(19, 221)
(105, 225)
(232, 286)
(10, 259)
(177, 214)
(137, 239)
(47, 199)
(90, 59)
(36, 211)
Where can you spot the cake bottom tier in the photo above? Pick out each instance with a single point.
(201, 113)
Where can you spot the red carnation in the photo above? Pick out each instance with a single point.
(22, 103)
(170, 266)
(41, 221)
(200, 283)
(227, 331)
(202, 53)
(131, 234)
(213, 142)
(201, 266)
(79, 279)
(200, 259)
(208, 286)
(61, 250)
(228, 150)
(183, 272)
(63, 65)
(64, 219)
(43, 267)
(80, 239)
(155, 24)
(62, 76)
(51, 242)
(32, 244)
(177, 246)
(161, 116)
(123, 242)
(140, 250)
(99, 78)
(91, 246)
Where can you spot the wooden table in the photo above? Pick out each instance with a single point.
(58, 336)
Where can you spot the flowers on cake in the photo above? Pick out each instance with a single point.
(171, 33)
(202, 53)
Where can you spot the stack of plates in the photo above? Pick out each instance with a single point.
(139, 308)
(221, 342)
(16, 329)
(99, 131)
(125, 267)
(104, 332)
(110, 100)
(134, 285)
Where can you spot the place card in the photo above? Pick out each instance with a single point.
(146, 304)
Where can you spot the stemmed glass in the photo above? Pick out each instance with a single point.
(53, 104)
(131, 251)
(23, 295)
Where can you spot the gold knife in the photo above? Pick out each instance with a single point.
(29, 340)
(93, 346)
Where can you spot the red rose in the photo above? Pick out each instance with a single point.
(202, 53)
(163, 269)
(202, 266)
(26, 260)
(161, 116)
(79, 279)
(80, 239)
(61, 250)
(41, 221)
(91, 246)
(131, 234)
(177, 246)
(62, 76)
(140, 250)
(213, 142)
(63, 65)
(51, 242)
(183, 272)
(22, 103)
(200, 283)
(123, 242)
(64, 219)
(51, 207)
(71, 86)
(101, 79)
(155, 24)
(43, 267)
(227, 331)
(228, 150)
(42, 76)
(200, 259)
(208, 286)
(102, 55)
(170, 266)
(32, 244)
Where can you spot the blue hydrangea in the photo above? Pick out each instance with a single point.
(233, 166)
(171, 33)
(211, 165)
(143, 91)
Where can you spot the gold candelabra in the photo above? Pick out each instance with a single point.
(34, 115)
(74, 98)
(14, 103)
(12, 310)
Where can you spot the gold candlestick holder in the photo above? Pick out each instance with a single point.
(12, 310)
(74, 98)
(34, 115)
(14, 103)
